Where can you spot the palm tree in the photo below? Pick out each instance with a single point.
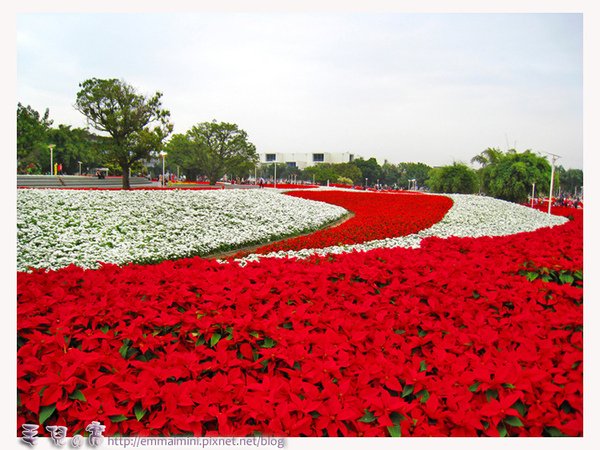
(487, 158)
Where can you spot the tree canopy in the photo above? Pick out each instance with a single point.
(455, 179)
(136, 124)
(512, 175)
(215, 149)
(32, 139)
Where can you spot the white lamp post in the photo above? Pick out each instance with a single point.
(532, 194)
(275, 174)
(554, 158)
(163, 154)
(51, 147)
(79, 162)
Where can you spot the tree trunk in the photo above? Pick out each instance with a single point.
(126, 177)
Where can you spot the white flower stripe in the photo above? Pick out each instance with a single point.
(56, 228)
(469, 216)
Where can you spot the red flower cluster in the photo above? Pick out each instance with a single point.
(376, 216)
(291, 186)
(447, 340)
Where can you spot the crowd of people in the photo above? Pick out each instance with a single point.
(563, 200)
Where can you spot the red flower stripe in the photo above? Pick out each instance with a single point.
(376, 216)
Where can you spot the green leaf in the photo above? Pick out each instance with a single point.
(216, 337)
(513, 421)
(532, 276)
(408, 389)
(423, 395)
(520, 406)
(45, 412)
(395, 431)
(502, 430)
(474, 386)
(396, 417)
(476, 295)
(268, 343)
(553, 432)
(422, 366)
(117, 418)
(508, 385)
(124, 348)
(491, 393)
(565, 278)
(139, 411)
(78, 395)
(368, 417)
(399, 331)
(105, 329)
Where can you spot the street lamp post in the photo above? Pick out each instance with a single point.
(163, 154)
(366, 183)
(51, 147)
(275, 174)
(554, 158)
(532, 194)
(79, 162)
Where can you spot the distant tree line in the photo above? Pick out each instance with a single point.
(130, 130)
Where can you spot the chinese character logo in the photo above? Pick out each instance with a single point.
(58, 434)
(29, 433)
(96, 429)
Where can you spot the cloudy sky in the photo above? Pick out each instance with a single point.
(435, 88)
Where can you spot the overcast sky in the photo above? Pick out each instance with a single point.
(434, 88)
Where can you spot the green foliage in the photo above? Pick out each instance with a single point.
(136, 124)
(457, 178)
(76, 144)
(412, 171)
(344, 180)
(555, 275)
(331, 172)
(370, 169)
(511, 177)
(570, 181)
(215, 149)
(33, 154)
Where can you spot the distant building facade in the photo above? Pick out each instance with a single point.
(303, 160)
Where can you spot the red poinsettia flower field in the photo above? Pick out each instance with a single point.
(461, 337)
(375, 216)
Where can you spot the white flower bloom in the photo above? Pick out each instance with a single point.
(56, 228)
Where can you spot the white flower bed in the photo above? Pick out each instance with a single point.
(470, 216)
(61, 227)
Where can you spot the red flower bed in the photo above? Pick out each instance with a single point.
(376, 216)
(291, 186)
(462, 337)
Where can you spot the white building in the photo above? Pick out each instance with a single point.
(303, 160)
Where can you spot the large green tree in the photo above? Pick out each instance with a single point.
(216, 149)
(33, 154)
(486, 160)
(571, 180)
(136, 124)
(413, 171)
(332, 172)
(370, 169)
(512, 176)
(457, 178)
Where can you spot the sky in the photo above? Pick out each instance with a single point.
(432, 88)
